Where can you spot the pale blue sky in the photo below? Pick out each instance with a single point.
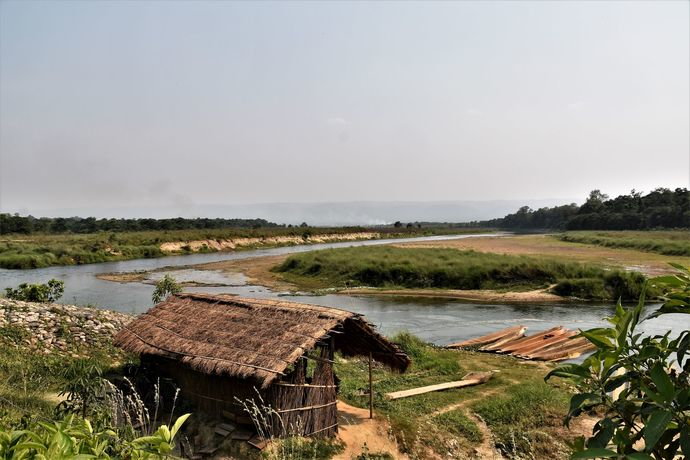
(175, 104)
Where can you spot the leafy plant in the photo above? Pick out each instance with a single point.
(640, 383)
(74, 437)
(164, 287)
(48, 292)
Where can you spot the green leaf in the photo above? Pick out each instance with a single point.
(663, 382)
(685, 441)
(597, 452)
(655, 427)
(178, 423)
(601, 337)
(569, 371)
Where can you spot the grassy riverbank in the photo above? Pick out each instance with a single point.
(515, 412)
(436, 268)
(670, 243)
(43, 250)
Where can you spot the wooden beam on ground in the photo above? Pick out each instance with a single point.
(474, 378)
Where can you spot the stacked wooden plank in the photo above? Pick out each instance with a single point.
(555, 344)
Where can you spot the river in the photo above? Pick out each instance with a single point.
(440, 321)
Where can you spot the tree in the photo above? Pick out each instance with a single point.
(48, 292)
(397, 224)
(640, 383)
(164, 287)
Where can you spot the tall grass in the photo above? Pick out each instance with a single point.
(670, 243)
(452, 269)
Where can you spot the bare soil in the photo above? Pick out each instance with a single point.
(356, 430)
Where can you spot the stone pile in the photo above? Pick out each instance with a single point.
(49, 327)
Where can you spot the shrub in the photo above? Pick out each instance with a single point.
(164, 287)
(49, 292)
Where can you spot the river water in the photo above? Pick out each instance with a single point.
(440, 321)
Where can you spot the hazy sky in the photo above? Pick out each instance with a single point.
(172, 104)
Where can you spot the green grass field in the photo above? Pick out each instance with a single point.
(399, 267)
(44, 250)
(668, 242)
(523, 413)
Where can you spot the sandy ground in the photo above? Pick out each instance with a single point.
(538, 295)
(234, 243)
(648, 263)
(356, 429)
(257, 270)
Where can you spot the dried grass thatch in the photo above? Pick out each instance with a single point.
(255, 339)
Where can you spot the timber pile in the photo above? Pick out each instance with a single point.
(555, 344)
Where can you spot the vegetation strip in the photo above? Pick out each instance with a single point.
(413, 268)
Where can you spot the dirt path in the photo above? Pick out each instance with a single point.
(356, 429)
(486, 449)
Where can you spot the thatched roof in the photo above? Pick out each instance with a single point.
(250, 338)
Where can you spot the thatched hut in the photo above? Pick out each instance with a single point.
(223, 348)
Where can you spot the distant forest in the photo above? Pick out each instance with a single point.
(661, 208)
(13, 223)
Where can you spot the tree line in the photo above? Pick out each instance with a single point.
(14, 223)
(660, 208)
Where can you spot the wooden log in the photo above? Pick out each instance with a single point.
(474, 378)
(539, 340)
(505, 340)
(512, 346)
(241, 435)
(572, 351)
(486, 339)
(257, 442)
(544, 345)
(222, 432)
(573, 342)
(229, 427)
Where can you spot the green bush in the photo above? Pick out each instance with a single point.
(48, 292)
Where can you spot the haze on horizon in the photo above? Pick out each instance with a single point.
(185, 106)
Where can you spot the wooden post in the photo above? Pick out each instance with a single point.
(371, 392)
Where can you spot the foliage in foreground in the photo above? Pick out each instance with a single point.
(453, 269)
(74, 437)
(48, 292)
(640, 383)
